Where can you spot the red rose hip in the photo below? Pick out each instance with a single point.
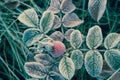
(58, 48)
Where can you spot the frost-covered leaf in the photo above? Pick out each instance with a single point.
(46, 40)
(57, 35)
(77, 58)
(35, 70)
(57, 22)
(54, 6)
(68, 33)
(29, 17)
(93, 63)
(71, 20)
(44, 59)
(94, 37)
(67, 67)
(67, 6)
(97, 8)
(76, 39)
(118, 46)
(112, 57)
(54, 76)
(12, 4)
(47, 21)
(43, 43)
(32, 35)
(111, 40)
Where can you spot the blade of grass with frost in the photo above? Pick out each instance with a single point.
(54, 6)
(57, 22)
(97, 8)
(67, 6)
(29, 17)
(71, 20)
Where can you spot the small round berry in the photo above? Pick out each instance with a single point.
(58, 48)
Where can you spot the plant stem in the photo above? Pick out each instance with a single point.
(70, 49)
(114, 73)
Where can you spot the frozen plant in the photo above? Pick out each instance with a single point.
(54, 61)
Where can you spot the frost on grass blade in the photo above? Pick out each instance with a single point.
(76, 39)
(94, 37)
(44, 59)
(35, 70)
(97, 8)
(54, 6)
(112, 57)
(68, 33)
(93, 63)
(67, 6)
(57, 35)
(71, 20)
(67, 67)
(77, 58)
(47, 21)
(54, 76)
(29, 17)
(57, 22)
(111, 40)
(32, 35)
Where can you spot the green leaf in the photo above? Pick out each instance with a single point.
(44, 59)
(67, 6)
(71, 20)
(35, 70)
(77, 58)
(111, 40)
(93, 63)
(67, 67)
(94, 37)
(54, 6)
(57, 35)
(29, 17)
(54, 76)
(76, 39)
(46, 22)
(68, 33)
(32, 35)
(57, 22)
(97, 8)
(112, 57)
